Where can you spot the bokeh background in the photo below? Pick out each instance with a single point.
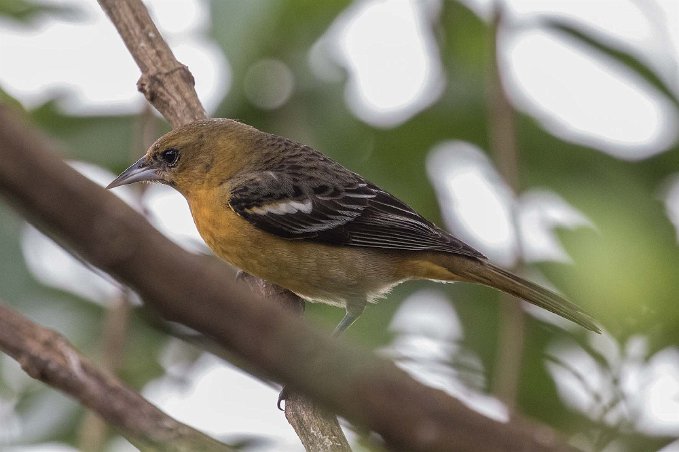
(544, 133)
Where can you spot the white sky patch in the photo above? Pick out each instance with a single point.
(475, 202)
(647, 29)
(170, 214)
(179, 17)
(539, 213)
(621, 19)
(427, 312)
(206, 397)
(660, 379)
(586, 99)
(427, 346)
(647, 395)
(52, 266)
(389, 52)
(477, 205)
(666, 21)
(628, 24)
(59, 57)
(583, 96)
(84, 60)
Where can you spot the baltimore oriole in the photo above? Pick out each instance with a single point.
(288, 214)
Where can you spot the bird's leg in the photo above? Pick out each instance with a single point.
(354, 310)
(345, 323)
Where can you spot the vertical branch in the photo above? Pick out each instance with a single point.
(503, 145)
(313, 423)
(317, 428)
(93, 429)
(169, 86)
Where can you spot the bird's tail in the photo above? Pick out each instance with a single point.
(483, 272)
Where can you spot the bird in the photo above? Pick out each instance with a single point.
(287, 213)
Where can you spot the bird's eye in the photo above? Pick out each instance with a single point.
(170, 156)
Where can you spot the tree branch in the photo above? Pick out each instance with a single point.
(93, 429)
(47, 356)
(169, 86)
(182, 287)
(503, 145)
(317, 428)
(165, 82)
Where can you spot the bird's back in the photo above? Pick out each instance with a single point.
(296, 192)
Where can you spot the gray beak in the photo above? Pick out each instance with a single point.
(139, 171)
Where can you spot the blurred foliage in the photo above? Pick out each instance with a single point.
(623, 272)
(25, 11)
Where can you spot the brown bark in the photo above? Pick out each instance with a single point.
(47, 356)
(503, 145)
(165, 82)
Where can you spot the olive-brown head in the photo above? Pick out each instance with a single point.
(196, 155)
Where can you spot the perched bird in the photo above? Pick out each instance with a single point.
(286, 213)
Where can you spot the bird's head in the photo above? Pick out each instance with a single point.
(195, 155)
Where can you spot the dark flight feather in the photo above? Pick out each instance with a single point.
(336, 208)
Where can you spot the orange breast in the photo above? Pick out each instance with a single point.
(330, 274)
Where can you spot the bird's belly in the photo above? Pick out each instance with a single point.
(316, 272)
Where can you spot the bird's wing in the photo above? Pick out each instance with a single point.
(342, 209)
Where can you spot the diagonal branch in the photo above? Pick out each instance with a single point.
(182, 287)
(168, 85)
(47, 356)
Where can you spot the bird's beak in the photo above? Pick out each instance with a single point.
(139, 171)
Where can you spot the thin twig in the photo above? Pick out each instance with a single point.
(503, 144)
(168, 86)
(92, 432)
(47, 356)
